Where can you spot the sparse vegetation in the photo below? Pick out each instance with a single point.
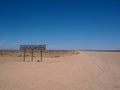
(46, 54)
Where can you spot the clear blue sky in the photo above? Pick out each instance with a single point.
(60, 24)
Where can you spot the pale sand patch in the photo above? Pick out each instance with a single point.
(86, 71)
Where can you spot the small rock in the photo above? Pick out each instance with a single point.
(38, 60)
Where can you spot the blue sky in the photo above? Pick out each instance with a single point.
(60, 24)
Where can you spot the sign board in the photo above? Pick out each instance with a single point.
(32, 47)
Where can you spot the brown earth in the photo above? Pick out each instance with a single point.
(60, 70)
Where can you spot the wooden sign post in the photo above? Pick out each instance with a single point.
(32, 48)
(41, 55)
(24, 55)
(32, 56)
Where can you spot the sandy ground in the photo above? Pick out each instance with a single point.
(86, 71)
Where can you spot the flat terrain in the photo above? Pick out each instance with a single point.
(61, 70)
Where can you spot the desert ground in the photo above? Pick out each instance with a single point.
(60, 70)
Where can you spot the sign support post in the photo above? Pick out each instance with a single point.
(32, 56)
(41, 55)
(24, 55)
